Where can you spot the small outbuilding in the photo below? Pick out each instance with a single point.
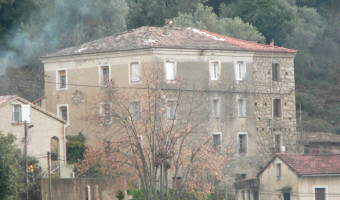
(45, 132)
(294, 177)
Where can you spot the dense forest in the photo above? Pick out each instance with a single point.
(30, 28)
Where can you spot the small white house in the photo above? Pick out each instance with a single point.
(45, 131)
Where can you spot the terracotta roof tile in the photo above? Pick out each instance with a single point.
(9, 98)
(312, 164)
(4, 99)
(177, 38)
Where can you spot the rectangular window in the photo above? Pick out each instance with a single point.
(320, 193)
(215, 108)
(240, 71)
(105, 113)
(243, 195)
(135, 72)
(277, 142)
(286, 196)
(16, 115)
(242, 143)
(178, 181)
(214, 70)
(140, 140)
(171, 109)
(248, 195)
(256, 195)
(278, 170)
(241, 108)
(170, 70)
(275, 72)
(277, 108)
(63, 111)
(104, 75)
(216, 137)
(61, 79)
(135, 110)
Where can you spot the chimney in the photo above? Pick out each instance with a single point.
(166, 27)
(272, 43)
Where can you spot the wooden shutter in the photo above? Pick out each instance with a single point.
(134, 72)
(320, 194)
(170, 71)
(26, 113)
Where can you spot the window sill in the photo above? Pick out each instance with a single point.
(17, 123)
(134, 82)
(61, 90)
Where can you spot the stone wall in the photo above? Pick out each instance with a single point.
(266, 90)
(77, 189)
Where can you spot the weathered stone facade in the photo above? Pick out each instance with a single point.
(266, 90)
(244, 95)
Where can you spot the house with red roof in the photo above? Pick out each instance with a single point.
(37, 131)
(248, 88)
(294, 177)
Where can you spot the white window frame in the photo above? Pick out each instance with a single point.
(278, 176)
(240, 68)
(131, 72)
(321, 187)
(101, 80)
(58, 82)
(20, 113)
(273, 108)
(59, 113)
(215, 113)
(171, 102)
(215, 70)
(173, 78)
(243, 112)
(238, 142)
(103, 114)
(216, 133)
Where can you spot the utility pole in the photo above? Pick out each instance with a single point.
(25, 154)
(49, 175)
(26, 166)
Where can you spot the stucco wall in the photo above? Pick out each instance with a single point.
(39, 136)
(307, 187)
(270, 184)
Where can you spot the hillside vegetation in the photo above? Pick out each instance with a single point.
(31, 28)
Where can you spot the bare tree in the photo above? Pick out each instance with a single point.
(158, 133)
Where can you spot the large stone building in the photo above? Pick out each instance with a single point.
(250, 86)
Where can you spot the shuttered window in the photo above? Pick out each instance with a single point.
(320, 193)
(277, 108)
(135, 72)
(170, 70)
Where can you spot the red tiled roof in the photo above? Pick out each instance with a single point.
(252, 46)
(9, 98)
(4, 99)
(177, 38)
(312, 164)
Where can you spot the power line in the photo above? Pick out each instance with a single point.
(143, 88)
